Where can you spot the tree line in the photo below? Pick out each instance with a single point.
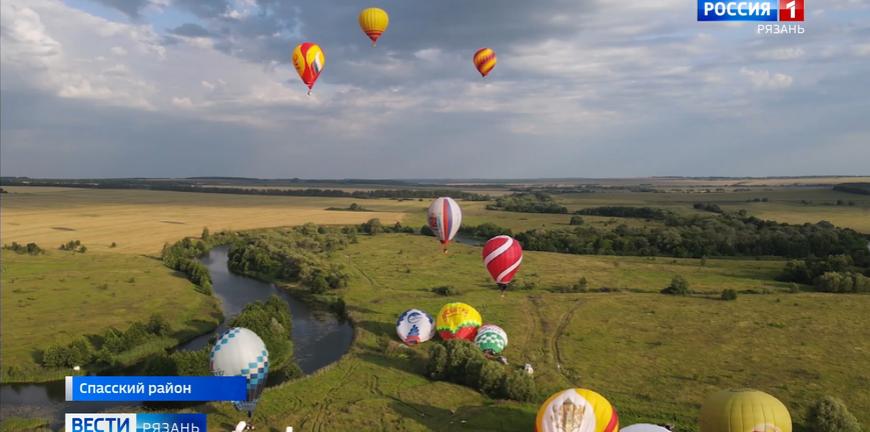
(187, 186)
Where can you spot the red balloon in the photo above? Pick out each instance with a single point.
(502, 256)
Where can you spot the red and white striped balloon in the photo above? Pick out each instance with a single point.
(445, 217)
(502, 256)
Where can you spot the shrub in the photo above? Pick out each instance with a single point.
(445, 290)
(490, 380)
(829, 414)
(728, 294)
(157, 325)
(518, 385)
(436, 367)
(678, 286)
(372, 227)
(427, 231)
(576, 220)
(582, 285)
(460, 352)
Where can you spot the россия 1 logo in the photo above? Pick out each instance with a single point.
(755, 10)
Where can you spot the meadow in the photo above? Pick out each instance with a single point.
(654, 356)
(62, 296)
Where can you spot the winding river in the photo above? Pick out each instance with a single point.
(320, 338)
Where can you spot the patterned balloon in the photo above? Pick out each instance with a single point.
(744, 410)
(239, 351)
(577, 410)
(502, 256)
(445, 217)
(484, 61)
(415, 326)
(308, 59)
(457, 321)
(374, 22)
(491, 338)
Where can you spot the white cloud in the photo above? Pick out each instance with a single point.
(119, 51)
(763, 79)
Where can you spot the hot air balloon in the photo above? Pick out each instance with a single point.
(484, 61)
(308, 59)
(502, 256)
(577, 410)
(644, 427)
(457, 321)
(374, 22)
(744, 410)
(445, 216)
(491, 339)
(239, 351)
(415, 326)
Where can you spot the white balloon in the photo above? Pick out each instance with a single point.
(445, 217)
(415, 326)
(240, 352)
(644, 427)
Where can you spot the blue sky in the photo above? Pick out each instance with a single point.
(123, 88)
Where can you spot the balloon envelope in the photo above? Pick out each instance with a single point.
(239, 351)
(445, 216)
(457, 321)
(502, 256)
(579, 410)
(374, 22)
(484, 60)
(415, 326)
(308, 59)
(644, 427)
(744, 410)
(491, 338)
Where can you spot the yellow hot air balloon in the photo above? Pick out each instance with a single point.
(484, 60)
(744, 411)
(577, 409)
(457, 321)
(374, 22)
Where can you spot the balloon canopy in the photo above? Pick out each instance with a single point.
(308, 59)
(240, 352)
(445, 217)
(374, 22)
(744, 410)
(415, 326)
(502, 256)
(491, 338)
(484, 60)
(458, 321)
(577, 409)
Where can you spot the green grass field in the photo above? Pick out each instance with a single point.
(654, 356)
(57, 297)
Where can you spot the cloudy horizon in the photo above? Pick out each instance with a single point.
(183, 88)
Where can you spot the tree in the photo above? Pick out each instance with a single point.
(830, 414)
(518, 385)
(436, 367)
(576, 220)
(679, 286)
(373, 226)
(205, 234)
(728, 294)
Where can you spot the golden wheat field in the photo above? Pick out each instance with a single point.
(141, 221)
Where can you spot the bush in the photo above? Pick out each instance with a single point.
(157, 325)
(78, 352)
(30, 248)
(436, 367)
(372, 227)
(518, 385)
(490, 379)
(582, 285)
(728, 294)
(679, 286)
(829, 414)
(427, 231)
(445, 290)
(576, 220)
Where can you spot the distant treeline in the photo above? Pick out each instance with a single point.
(528, 202)
(855, 188)
(187, 186)
(627, 212)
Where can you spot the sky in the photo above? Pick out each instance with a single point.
(178, 88)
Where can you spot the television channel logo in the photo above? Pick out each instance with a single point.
(151, 422)
(755, 10)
